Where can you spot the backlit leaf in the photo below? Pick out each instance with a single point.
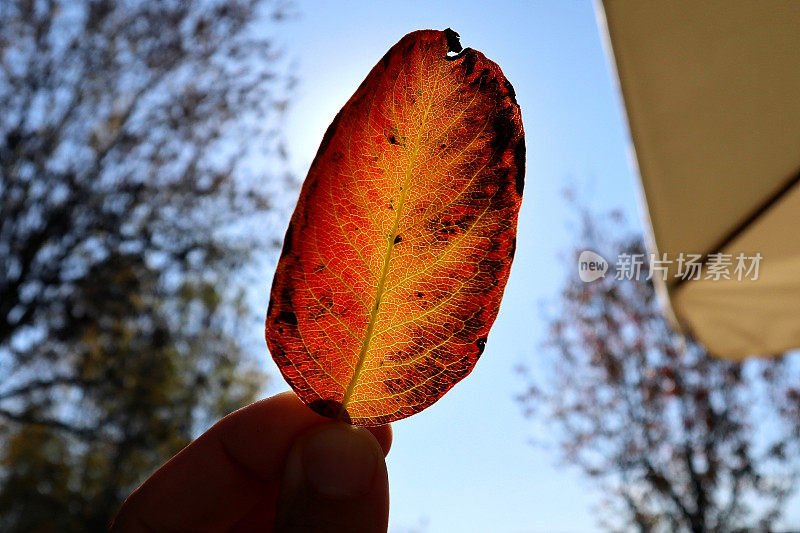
(400, 246)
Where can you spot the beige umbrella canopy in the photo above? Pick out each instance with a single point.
(712, 93)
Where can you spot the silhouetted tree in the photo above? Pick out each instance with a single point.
(136, 140)
(675, 439)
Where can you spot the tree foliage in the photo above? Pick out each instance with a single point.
(127, 138)
(675, 439)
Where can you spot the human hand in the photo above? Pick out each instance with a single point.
(274, 466)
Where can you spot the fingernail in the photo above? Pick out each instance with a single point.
(339, 460)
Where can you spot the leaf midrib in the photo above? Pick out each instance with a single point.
(379, 292)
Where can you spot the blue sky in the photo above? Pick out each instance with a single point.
(465, 464)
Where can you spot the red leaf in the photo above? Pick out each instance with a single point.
(400, 246)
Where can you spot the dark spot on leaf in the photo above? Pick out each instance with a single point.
(511, 93)
(446, 231)
(397, 385)
(398, 239)
(513, 247)
(330, 409)
(385, 59)
(519, 162)
(287, 240)
(287, 317)
(394, 136)
(481, 345)
(482, 79)
(329, 133)
(420, 294)
(504, 127)
(470, 58)
(337, 156)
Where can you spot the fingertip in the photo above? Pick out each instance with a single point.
(383, 434)
(335, 480)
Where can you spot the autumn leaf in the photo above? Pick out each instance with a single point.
(398, 251)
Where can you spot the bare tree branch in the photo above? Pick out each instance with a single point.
(674, 436)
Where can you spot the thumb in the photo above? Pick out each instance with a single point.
(335, 480)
